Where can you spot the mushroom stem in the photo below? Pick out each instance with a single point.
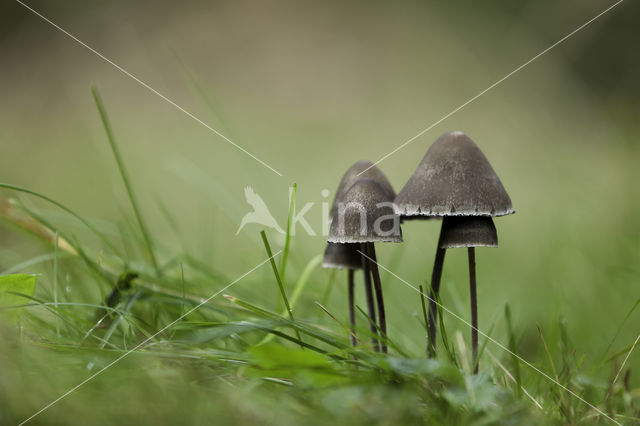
(474, 307)
(352, 312)
(382, 318)
(436, 275)
(371, 308)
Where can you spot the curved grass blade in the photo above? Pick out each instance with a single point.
(123, 173)
(300, 286)
(603, 359)
(381, 337)
(55, 282)
(443, 333)
(329, 287)
(31, 262)
(430, 348)
(512, 348)
(308, 330)
(278, 279)
(62, 207)
(287, 241)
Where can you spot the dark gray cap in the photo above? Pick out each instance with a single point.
(340, 256)
(365, 215)
(453, 179)
(351, 176)
(468, 231)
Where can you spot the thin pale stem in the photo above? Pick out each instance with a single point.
(474, 307)
(352, 312)
(371, 308)
(382, 317)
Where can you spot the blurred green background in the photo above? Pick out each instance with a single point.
(312, 87)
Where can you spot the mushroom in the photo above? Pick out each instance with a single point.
(340, 256)
(347, 255)
(365, 216)
(470, 232)
(454, 180)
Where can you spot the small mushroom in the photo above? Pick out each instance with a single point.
(365, 216)
(470, 232)
(347, 254)
(341, 256)
(454, 180)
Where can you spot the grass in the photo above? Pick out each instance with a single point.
(237, 359)
(221, 342)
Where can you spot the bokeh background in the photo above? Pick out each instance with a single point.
(310, 88)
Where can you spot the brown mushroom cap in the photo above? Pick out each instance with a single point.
(353, 174)
(365, 215)
(339, 256)
(453, 179)
(468, 231)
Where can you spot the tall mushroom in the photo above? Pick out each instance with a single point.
(365, 216)
(454, 180)
(347, 255)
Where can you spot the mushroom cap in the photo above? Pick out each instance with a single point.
(353, 174)
(453, 179)
(339, 256)
(468, 231)
(365, 215)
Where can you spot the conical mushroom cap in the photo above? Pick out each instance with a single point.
(468, 231)
(365, 215)
(453, 179)
(352, 175)
(339, 256)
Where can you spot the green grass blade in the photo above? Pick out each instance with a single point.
(443, 334)
(548, 353)
(300, 286)
(121, 315)
(55, 282)
(624, 351)
(123, 173)
(603, 358)
(304, 279)
(512, 348)
(72, 242)
(430, 350)
(294, 340)
(313, 332)
(28, 263)
(204, 93)
(287, 241)
(329, 287)
(380, 336)
(66, 209)
(278, 279)
(95, 269)
(484, 344)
